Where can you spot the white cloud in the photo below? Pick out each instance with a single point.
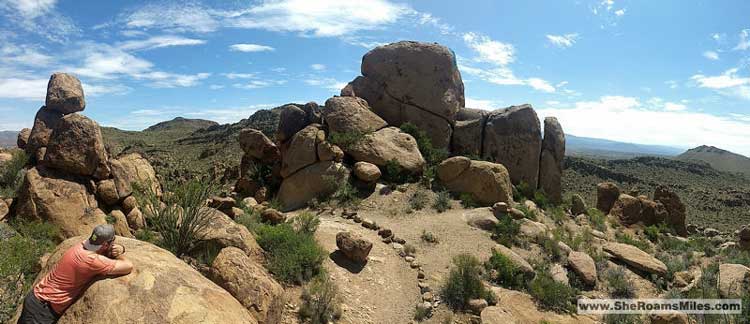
(620, 13)
(671, 106)
(33, 8)
(718, 37)
(728, 83)
(540, 84)
(490, 51)
(318, 67)
(485, 104)
(744, 40)
(326, 83)
(94, 90)
(11, 54)
(27, 89)
(233, 75)
(257, 84)
(250, 48)
(711, 55)
(672, 84)
(563, 41)
(159, 79)
(173, 16)
(39, 17)
(160, 42)
(625, 119)
(216, 87)
(504, 76)
(102, 61)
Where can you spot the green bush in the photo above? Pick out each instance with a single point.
(464, 283)
(623, 319)
(345, 140)
(346, 195)
(627, 239)
(581, 240)
(506, 232)
(467, 200)
(429, 237)
(321, 303)
(306, 223)
(540, 199)
(393, 173)
(182, 218)
(551, 294)
(418, 200)
(294, 257)
(558, 215)
(433, 156)
(508, 275)
(597, 219)
(442, 201)
(674, 264)
(550, 247)
(11, 175)
(619, 286)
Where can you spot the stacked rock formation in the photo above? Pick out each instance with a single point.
(72, 181)
(665, 208)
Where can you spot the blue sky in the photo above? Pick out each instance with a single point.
(653, 72)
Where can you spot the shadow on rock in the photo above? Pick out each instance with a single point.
(341, 260)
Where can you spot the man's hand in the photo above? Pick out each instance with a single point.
(116, 251)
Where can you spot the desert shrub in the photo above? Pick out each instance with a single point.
(181, 220)
(652, 233)
(627, 239)
(146, 235)
(110, 219)
(293, 256)
(275, 203)
(558, 215)
(418, 200)
(540, 198)
(674, 264)
(467, 200)
(433, 156)
(11, 173)
(306, 223)
(508, 274)
(522, 191)
(623, 319)
(597, 219)
(250, 219)
(737, 256)
(421, 313)
(321, 303)
(526, 212)
(464, 283)
(19, 256)
(346, 195)
(262, 174)
(393, 173)
(619, 286)
(429, 237)
(550, 247)
(442, 201)
(410, 249)
(345, 140)
(551, 294)
(582, 239)
(506, 232)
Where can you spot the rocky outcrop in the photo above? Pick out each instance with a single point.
(44, 122)
(487, 182)
(468, 136)
(261, 164)
(389, 144)
(513, 138)
(412, 82)
(314, 181)
(162, 289)
(606, 195)
(292, 119)
(482, 218)
(65, 94)
(636, 258)
(627, 209)
(577, 205)
(551, 163)
(76, 146)
(23, 138)
(351, 115)
(734, 280)
(584, 267)
(516, 259)
(675, 208)
(46, 196)
(249, 283)
(353, 246)
(300, 151)
(221, 231)
(131, 169)
(255, 144)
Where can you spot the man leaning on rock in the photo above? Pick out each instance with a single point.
(79, 266)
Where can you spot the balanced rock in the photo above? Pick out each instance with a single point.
(412, 82)
(23, 138)
(487, 182)
(249, 283)
(636, 258)
(734, 280)
(256, 144)
(46, 196)
(551, 163)
(353, 246)
(389, 144)
(606, 195)
(167, 289)
(675, 208)
(319, 179)
(65, 94)
(351, 115)
(584, 267)
(366, 172)
(513, 138)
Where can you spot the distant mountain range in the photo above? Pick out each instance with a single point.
(181, 123)
(719, 159)
(8, 139)
(602, 148)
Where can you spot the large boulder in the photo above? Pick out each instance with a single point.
(413, 82)
(254, 143)
(487, 182)
(354, 247)
(131, 169)
(551, 163)
(468, 136)
(734, 280)
(161, 289)
(577, 205)
(389, 144)
(65, 94)
(314, 181)
(481, 218)
(606, 195)
(513, 138)
(221, 232)
(23, 138)
(77, 147)
(249, 283)
(367, 172)
(465, 114)
(584, 266)
(636, 258)
(300, 151)
(675, 208)
(652, 212)
(46, 196)
(351, 115)
(516, 259)
(292, 119)
(44, 122)
(627, 209)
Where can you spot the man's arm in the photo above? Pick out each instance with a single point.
(122, 267)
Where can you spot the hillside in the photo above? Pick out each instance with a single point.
(8, 139)
(713, 198)
(597, 147)
(181, 124)
(718, 159)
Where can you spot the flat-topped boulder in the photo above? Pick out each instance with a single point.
(351, 115)
(584, 266)
(636, 258)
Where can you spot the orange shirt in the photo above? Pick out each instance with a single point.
(77, 268)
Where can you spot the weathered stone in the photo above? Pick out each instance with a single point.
(4, 210)
(272, 216)
(559, 274)
(44, 122)
(514, 258)
(671, 318)
(584, 266)
(351, 115)
(487, 182)
(223, 232)
(65, 94)
(577, 205)
(314, 181)
(131, 169)
(734, 280)
(135, 219)
(636, 258)
(513, 138)
(366, 172)
(353, 246)
(482, 218)
(300, 151)
(254, 143)
(532, 229)
(23, 138)
(514, 307)
(121, 224)
(107, 192)
(551, 163)
(606, 195)
(476, 306)
(221, 203)
(468, 137)
(389, 144)
(128, 204)
(249, 283)
(652, 212)
(312, 110)
(627, 209)
(76, 146)
(292, 119)
(675, 208)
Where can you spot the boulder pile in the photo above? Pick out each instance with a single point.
(665, 208)
(72, 181)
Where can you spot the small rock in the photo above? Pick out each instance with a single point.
(517, 213)
(409, 258)
(427, 296)
(501, 207)
(272, 216)
(353, 246)
(477, 305)
(384, 232)
(369, 224)
(711, 232)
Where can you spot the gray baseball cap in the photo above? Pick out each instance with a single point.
(102, 234)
